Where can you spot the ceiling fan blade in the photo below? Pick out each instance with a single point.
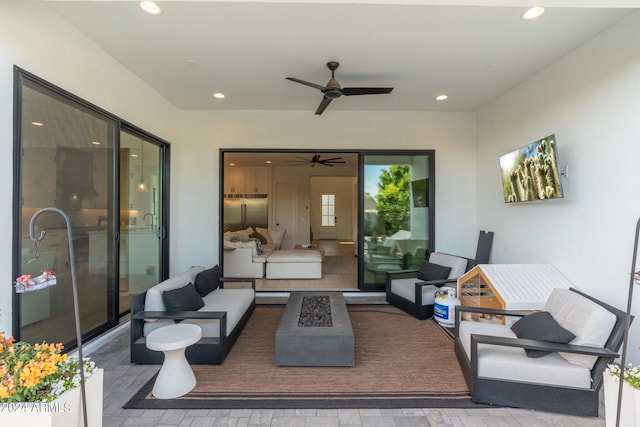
(333, 162)
(323, 105)
(293, 79)
(332, 159)
(349, 91)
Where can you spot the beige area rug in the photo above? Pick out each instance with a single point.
(340, 265)
(401, 362)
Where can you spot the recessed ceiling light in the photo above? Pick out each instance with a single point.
(533, 13)
(232, 164)
(37, 123)
(441, 97)
(150, 7)
(218, 95)
(134, 155)
(96, 142)
(268, 162)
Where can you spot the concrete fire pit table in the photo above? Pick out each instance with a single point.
(320, 341)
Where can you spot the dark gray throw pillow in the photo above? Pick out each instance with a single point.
(429, 271)
(185, 298)
(541, 326)
(207, 280)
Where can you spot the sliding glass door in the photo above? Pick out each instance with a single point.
(141, 216)
(66, 161)
(109, 178)
(397, 213)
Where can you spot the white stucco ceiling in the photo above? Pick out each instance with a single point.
(421, 48)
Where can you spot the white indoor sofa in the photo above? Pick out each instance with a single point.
(240, 256)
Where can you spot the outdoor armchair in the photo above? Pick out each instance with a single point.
(522, 367)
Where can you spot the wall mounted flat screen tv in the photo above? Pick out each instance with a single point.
(531, 172)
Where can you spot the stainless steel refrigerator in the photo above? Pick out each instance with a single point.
(248, 210)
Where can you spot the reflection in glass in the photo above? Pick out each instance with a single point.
(67, 162)
(396, 214)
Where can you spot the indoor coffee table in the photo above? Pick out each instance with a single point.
(315, 340)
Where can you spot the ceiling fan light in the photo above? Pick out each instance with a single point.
(333, 94)
(442, 97)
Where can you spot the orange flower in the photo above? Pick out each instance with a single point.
(35, 373)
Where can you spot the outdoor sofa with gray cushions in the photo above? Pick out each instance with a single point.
(551, 362)
(196, 296)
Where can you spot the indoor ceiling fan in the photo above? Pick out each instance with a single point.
(315, 160)
(333, 89)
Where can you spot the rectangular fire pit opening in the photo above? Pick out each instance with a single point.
(309, 341)
(315, 311)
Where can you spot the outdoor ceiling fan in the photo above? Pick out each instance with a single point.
(333, 89)
(315, 160)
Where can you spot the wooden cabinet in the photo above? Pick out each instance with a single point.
(247, 180)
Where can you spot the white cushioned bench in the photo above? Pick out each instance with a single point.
(222, 316)
(294, 264)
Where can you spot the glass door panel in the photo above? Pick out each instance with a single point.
(67, 162)
(397, 213)
(140, 216)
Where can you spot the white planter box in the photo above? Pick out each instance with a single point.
(630, 410)
(65, 411)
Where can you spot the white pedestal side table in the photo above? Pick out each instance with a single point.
(176, 377)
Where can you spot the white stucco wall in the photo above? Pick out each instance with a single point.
(590, 100)
(38, 41)
(195, 165)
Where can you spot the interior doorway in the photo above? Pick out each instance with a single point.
(331, 207)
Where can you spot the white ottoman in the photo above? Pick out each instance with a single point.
(176, 377)
(294, 264)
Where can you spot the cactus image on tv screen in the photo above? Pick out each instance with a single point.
(531, 172)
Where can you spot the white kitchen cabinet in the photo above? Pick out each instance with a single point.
(233, 180)
(257, 180)
(247, 180)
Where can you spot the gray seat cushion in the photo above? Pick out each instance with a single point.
(406, 289)
(458, 265)
(588, 321)
(234, 301)
(511, 363)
